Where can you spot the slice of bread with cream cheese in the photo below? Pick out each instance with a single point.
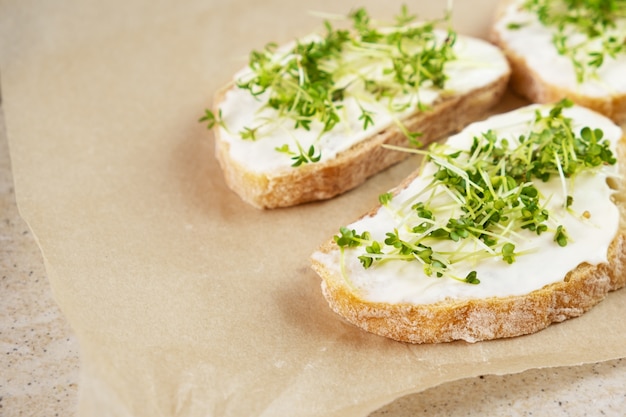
(516, 222)
(566, 48)
(306, 121)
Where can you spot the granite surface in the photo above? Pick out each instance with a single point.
(39, 355)
(39, 361)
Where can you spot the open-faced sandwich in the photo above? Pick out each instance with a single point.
(512, 224)
(566, 48)
(305, 121)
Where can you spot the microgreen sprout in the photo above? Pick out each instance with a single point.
(385, 198)
(471, 278)
(300, 157)
(560, 236)
(367, 118)
(493, 187)
(586, 32)
(210, 118)
(508, 252)
(249, 133)
(350, 238)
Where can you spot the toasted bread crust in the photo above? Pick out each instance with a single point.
(492, 318)
(530, 84)
(352, 167)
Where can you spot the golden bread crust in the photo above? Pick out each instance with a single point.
(530, 84)
(353, 166)
(492, 318)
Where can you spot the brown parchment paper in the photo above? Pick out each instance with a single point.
(186, 301)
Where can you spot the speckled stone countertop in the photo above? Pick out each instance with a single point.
(39, 362)
(39, 355)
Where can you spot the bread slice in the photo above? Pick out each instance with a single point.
(542, 75)
(399, 301)
(264, 178)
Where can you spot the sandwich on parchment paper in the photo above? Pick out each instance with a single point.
(516, 222)
(305, 121)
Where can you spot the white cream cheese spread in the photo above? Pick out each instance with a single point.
(528, 38)
(477, 64)
(591, 222)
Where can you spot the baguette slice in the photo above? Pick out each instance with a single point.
(550, 284)
(541, 75)
(265, 178)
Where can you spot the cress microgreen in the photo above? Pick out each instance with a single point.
(210, 118)
(385, 198)
(350, 238)
(492, 188)
(300, 157)
(305, 157)
(471, 278)
(560, 236)
(308, 84)
(585, 31)
(508, 252)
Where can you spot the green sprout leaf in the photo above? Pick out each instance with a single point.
(508, 253)
(471, 278)
(350, 238)
(385, 198)
(210, 118)
(305, 157)
(560, 237)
